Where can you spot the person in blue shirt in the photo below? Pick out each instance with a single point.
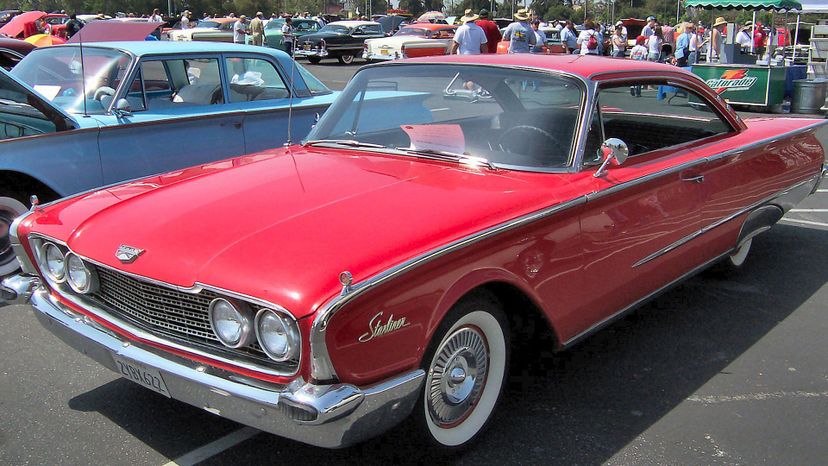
(569, 36)
(682, 52)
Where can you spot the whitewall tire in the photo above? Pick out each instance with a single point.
(465, 372)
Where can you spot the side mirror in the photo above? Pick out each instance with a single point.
(612, 150)
(122, 108)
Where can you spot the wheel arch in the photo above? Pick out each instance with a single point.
(523, 309)
(20, 182)
(758, 221)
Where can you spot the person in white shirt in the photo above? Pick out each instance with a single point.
(469, 39)
(649, 28)
(185, 19)
(156, 17)
(654, 45)
(239, 30)
(287, 35)
(744, 38)
(589, 46)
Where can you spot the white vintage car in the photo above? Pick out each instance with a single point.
(414, 40)
(211, 30)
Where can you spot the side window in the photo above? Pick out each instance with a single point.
(254, 79)
(646, 123)
(176, 83)
(655, 119)
(17, 117)
(372, 29)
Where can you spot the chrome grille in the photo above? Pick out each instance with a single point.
(166, 312)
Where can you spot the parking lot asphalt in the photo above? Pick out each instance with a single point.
(720, 370)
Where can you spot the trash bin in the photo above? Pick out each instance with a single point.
(808, 95)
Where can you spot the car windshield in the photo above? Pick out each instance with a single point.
(335, 28)
(275, 24)
(509, 118)
(208, 24)
(413, 32)
(58, 74)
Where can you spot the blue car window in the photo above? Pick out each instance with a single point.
(254, 79)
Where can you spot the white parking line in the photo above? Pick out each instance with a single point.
(804, 222)
(822, 190)
(808, 210)
(215, 447)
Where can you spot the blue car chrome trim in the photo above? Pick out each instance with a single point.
(331, 416)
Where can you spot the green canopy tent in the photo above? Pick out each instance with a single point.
(754, 5)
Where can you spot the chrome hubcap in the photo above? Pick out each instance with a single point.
(457, 376)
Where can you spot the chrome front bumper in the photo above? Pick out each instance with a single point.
(300, 52)
(330, 416)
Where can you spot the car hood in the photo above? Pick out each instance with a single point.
(281, 225)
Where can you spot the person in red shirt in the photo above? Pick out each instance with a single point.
(490, 28)
(759, 40)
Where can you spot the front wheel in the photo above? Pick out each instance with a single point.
(11, 206)
(346, 59)
(466, 367)
(314, 60)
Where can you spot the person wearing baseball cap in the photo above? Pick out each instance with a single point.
(489, 27)
(649, 28)
(240, 30)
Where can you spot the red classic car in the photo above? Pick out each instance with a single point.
(379, 270)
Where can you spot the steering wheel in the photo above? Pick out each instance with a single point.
(103, 91)
(533, 142)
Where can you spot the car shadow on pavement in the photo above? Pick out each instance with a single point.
(583, 405)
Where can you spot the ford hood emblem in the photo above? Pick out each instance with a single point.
(128, 254)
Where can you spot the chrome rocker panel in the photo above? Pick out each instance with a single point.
(330, 416)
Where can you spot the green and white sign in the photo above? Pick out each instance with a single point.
(744, 85)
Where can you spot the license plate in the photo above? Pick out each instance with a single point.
(306, 47)
(142, 375)
(383, 51)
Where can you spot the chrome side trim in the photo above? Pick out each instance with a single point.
(762, 142)
(720, 222)
(321, 367)
(598, 326)
(144, 335)
(644, 179)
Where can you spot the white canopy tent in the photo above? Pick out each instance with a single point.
(808, 6)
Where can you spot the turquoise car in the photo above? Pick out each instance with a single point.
(74, 119)
(273, 31)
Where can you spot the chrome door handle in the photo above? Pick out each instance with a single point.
(696, 179)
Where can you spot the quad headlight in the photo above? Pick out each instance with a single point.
(81, 278)
(277, 335)
(52, 262)
(231, 322)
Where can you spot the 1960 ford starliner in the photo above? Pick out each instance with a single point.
(138, 108)
(326, 291)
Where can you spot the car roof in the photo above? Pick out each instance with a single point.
(432, 26)
(140, 48)
(352, 23)
(581, 65)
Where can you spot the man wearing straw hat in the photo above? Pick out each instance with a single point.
(716, 38)
(519, 34)
(469, 39)
(744, 38)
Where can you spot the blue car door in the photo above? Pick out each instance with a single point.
(177, 117)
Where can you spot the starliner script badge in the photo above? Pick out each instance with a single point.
(128, 254)
(377, 329)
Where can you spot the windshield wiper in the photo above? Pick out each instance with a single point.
(343, 142)
(453, 156)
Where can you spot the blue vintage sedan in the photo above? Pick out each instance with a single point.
(72, 119)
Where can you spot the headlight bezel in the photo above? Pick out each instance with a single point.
(242, 310)
(291, 335)
(43, 261)
(92, 275)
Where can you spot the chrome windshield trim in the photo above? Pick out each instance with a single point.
(586, 87)
(321, 366)
(195, 289)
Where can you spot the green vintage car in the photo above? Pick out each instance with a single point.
(273, 31)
